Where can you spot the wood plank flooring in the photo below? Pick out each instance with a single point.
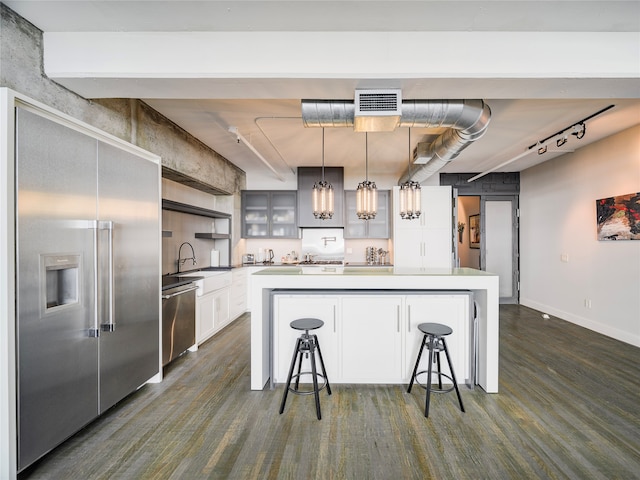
(568, 408)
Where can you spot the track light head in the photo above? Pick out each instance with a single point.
(579, 130)
(561, 141)
(542, 150)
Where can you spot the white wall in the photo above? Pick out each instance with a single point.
(558, 217)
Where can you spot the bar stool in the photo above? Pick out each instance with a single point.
(434, 334)
(306, 345)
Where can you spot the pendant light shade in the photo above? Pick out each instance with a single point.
(367, 193)
(410, 194)
(322, 194)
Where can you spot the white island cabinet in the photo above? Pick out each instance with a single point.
(372, 337)
(455, 311)
(288, 308)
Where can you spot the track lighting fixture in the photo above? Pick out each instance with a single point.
(578, 130)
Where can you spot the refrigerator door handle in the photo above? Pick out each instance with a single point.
(94, 331)
(110, 324)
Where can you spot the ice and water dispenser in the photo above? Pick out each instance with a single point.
(61, 280)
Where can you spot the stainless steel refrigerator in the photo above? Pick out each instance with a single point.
(88, 273)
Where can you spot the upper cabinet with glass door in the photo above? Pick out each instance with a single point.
(375, 228)
(269, 214)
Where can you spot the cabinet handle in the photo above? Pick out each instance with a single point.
(408, 318)
(334, 319)
(398, 318)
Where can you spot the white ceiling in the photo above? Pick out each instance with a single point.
(523, 111)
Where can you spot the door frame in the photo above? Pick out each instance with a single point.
(515, 243)
(515, 225)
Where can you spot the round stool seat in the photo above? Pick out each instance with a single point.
(435, 329)
(306, 324)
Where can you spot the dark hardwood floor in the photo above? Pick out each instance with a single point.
(568, 408)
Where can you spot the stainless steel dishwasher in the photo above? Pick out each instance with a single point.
(178, 317)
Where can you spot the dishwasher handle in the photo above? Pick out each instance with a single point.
(181, 292)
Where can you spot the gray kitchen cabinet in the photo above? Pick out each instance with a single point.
(269, 214)
(307, 176)
(375, 228)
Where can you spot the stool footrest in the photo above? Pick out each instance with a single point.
(307, 392)
(433, 389)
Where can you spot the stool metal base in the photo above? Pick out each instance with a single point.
(306, 345)
(435, 342)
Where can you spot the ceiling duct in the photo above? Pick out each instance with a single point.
(465, 121)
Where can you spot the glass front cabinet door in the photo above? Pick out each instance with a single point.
(269, 214)
(376, 228)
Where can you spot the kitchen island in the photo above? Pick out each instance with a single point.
(399, 285)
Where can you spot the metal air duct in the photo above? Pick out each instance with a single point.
(465, 121)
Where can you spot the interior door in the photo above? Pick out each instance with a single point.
(499, 243)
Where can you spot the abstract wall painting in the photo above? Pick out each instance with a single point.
(618, 217)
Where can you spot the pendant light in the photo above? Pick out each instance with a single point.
(410, 194)
(322, 194)
(367, 192)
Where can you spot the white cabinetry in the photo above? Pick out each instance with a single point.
(373, 338)
(238, 295)
(451, 310)
(426, 242)
(205, 316)
(292, 307)
(212, 305)
(371, 344)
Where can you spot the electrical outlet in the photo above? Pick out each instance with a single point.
(564, 257)
(587, 303)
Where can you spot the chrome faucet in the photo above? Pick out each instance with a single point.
(192, 258)
(328, 239)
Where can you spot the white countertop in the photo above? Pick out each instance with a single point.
(373, 271)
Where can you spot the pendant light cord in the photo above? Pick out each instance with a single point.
(409, 153)
(366, 156)
(322, 154)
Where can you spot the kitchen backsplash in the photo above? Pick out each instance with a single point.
(354, 250)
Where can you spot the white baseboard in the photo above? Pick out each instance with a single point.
(626, 337)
